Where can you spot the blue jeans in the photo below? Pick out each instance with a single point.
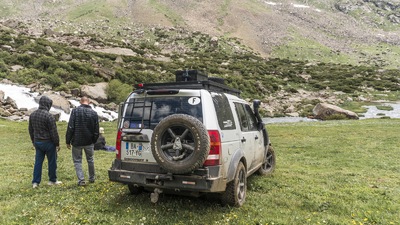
(45, 149)
(77, 158)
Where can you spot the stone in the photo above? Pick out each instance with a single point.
(11, 102)
(49, 49)
(295, 114)
(50, 32)
(261, 87)
(214, 42)
(2, 96)
(23, 109)
(118, 51)
(323, 110)
(6, 47)
(75, 92)
(4, 113)
(12, 23)
(119, 59)
(106, 73)
(290, 109)
(59, 101)
(66, 57)
(96, 92)
(16, 68)
(56, 115)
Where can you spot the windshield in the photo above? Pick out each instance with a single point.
(156, 109)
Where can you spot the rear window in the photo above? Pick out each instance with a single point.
(223, 110)
(156, 109)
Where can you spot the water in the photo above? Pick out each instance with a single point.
(288, 120)
(24, 99)
(373, 111)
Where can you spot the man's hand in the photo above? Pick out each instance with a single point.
(33, 144)
(68, 146)
(58, 148)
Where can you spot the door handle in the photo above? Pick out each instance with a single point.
(243, 139)
(256, 137)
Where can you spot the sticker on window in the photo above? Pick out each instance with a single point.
(194, 101)
(228, 123)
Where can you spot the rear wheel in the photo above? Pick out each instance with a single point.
(269, 162)
(180, 143)
(235, 193)
(135, 190)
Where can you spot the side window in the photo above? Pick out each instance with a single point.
(244, 126)
(251, 117)
(223, 110)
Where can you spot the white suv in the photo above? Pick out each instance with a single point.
(192, 136)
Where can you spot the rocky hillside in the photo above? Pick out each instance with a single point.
(339, 31)
(291, 55)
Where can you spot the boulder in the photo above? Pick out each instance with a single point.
(96, 92)
(48, 48)
(2, 96)
(6, 47)
(11, 102)
(12, 23)
(106, 73)
(59, 101)
(4, 113)
(66, 57)
(323, 110)
(118, 51)
(119, 59)
(14, 118)
(50, 32)
(75, 92)
(16, 68)
(214, 42)
(56, 115)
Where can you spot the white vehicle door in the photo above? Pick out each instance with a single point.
(247, 136)
(258, 136)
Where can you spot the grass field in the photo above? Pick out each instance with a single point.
(336, 172)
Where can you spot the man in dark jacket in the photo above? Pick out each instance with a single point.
(44, 136)
(82, 133)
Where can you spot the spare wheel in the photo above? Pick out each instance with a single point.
(180, 143)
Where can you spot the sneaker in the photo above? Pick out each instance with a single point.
(35, 185)
(52, 183)
(82, 183)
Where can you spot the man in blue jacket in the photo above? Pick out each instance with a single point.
(82, 133)
(44, 136)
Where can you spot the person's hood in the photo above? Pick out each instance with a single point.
(45, 103)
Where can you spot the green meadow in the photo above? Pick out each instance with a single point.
(333, 172)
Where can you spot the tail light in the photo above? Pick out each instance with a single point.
(213, 158)
(118, 144)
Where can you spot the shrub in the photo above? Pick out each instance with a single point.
(337, 117)
(117, 91)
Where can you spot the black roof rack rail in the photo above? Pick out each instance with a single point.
(203, 84)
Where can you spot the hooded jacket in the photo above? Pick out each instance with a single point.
(83, 126)
(42, 125)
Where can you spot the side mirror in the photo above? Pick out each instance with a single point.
(256, 105)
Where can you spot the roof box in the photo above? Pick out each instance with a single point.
(190, 75)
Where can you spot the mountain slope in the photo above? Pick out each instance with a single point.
(352, 31)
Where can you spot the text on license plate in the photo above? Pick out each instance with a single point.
(135, 149)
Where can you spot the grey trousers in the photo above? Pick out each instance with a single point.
(77, 158)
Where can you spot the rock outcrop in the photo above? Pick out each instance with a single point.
(58, 101)
(96, 92)
(322, 111)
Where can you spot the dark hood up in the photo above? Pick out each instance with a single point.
(45, 103)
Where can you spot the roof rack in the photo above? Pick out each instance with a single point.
(203, 84)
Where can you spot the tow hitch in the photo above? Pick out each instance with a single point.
(154, 196)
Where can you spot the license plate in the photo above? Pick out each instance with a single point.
(135, 149)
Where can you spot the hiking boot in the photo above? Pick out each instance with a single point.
(35, 185)
(82, 183)
(91, 181)
(56, 182)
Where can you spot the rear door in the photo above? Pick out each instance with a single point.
(247, 135)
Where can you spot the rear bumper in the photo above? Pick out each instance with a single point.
(152, 176)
